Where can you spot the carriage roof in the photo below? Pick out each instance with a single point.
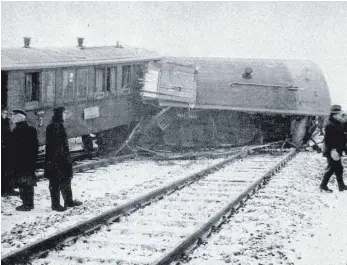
(34, 58)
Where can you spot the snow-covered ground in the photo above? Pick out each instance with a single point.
(100, 190)
(144, 236)
(288, 222)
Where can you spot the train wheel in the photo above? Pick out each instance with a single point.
(101, 142)
(112, 139)
(299, 131)
(87, 142)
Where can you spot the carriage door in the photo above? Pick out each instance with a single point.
(170, 82)
(4, 88)
(178, 83)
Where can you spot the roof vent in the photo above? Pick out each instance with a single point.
(80, 42)
(26, 42)
(118, 45)
(247, 73)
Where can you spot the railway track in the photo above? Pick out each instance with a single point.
(266, 230)
(83, 162)
(197, 190)
(76, 155)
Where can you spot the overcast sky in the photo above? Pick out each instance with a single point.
(295, 30)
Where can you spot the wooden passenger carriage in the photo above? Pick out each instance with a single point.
(97, 85)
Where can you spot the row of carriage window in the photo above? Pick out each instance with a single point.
(41, 86)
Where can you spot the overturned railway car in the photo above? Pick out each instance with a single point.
(215, 101)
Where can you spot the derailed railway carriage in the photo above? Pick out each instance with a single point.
(211, 101)
(134, 96)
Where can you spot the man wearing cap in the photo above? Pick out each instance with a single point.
(5, 169)
(24, 149)
(334, 141)
(58, 163)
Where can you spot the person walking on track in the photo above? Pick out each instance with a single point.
(24, 149)
(58, 163)
(334, 141)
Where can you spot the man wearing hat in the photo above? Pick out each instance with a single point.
(334, 141)
(58, 163)
(24, 149)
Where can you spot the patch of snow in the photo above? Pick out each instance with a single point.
(288, 222)
(146, 234)
(100, 190)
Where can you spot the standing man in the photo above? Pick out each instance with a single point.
(5, 167)
(334, 141)
(24, 149)
(7, 181)
(58, 163)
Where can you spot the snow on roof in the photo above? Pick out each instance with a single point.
(31, 58)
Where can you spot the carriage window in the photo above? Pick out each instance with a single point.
(82, 83)
(68, 84)
(32, 87)
(111, 79)
(126, 77)
(138, 72)
(48, 86)
(100, 80)
(106, 79)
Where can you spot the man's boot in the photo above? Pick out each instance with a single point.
(326, 178)
(342, 186)
(340, 182)
(66, 192)
(325, 188)
(30, 197)
(24, 208)
(27, 195)
(55, 198)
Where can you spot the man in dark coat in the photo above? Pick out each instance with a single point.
(58, 163)
(334, 141)
(7, 181)
(24, 149)
(5, 134)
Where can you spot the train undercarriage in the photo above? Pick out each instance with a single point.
(178, 129)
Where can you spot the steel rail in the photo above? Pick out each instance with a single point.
(205, 154)
(92, 164)
(42, 247)
(197, 237)
(100, 162)
(75, 154)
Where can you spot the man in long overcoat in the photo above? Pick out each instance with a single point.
(58, 163)
(24, 149)
(334, 141)
(5, 168)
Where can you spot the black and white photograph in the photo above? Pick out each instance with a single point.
(173, 132)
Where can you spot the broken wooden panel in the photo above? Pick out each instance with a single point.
(170, 82)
